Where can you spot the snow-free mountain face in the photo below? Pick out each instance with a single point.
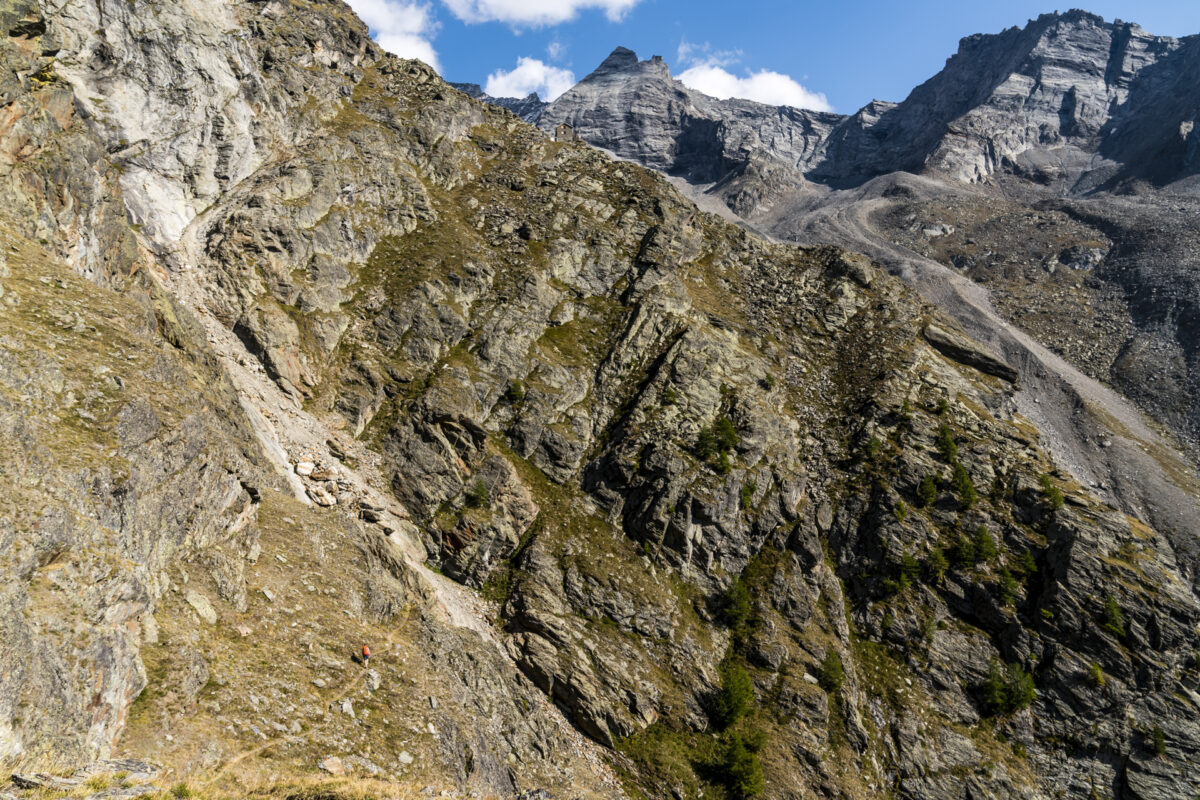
(1079, 128)
(304, 350)
(528, 108)
(1068, 100)
(1055, 101)
(637, 110)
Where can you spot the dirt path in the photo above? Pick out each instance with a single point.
(1141, 471)
(241, 756)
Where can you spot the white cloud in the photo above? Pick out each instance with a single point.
(556, 50)
(402, 27)
(706, 72)
(534, 13)
(530, 75)
(692, 55)
(764, 86)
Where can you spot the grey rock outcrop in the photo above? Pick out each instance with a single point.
(1070, 101)
(637, 110)
(528, 108)
(963, 350)
(1063, 101)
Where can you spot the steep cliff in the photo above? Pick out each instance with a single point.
(751, 518)
(636, 110)
(1070, 100)
(1090, 292)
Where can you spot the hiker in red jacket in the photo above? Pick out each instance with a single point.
(366, 655)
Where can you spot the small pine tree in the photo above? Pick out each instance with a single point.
(936, 565)
(906, 411)
(927, 492)
(723, 466)
(727, 437)
(985, 546)
(1159, 741)
(965, 486)
(515, 393)
(478, 496)
(900, 510)
(743, 771)
(735, 697)
(1112, 619)
(833, 674)
(1007, 690)
(874, 448)
(910, 570)
(994, 690)
(737, 609)
(943, 406)
(1028, 563)
(964, 551)
(1055, 499)
(748, 490)
(946, 445)
(669, 396)
(706, 444)
(1008, 587)
(1052, 494)
(1096, 676)
(1021, 689)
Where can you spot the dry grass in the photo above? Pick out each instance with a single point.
(240, 724)
(45, 764)
(320, 788)
(262, 787)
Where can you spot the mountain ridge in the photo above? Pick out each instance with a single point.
(1045, 121)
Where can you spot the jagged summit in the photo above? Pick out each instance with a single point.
(620, 59)
(1003, 100)
(623, 61)
(528, 108)
(1048, 99)
(638, 110)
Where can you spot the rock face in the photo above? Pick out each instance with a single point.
(528, 108)
(638, 111)
(704, 506)
(1068, 105)
(1070, 100)
(1071, 135)
(965, 351)
(1043, 101)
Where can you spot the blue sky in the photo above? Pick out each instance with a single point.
(837, 55)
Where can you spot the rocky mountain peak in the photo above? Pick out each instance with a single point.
(624, 64)
(620, 59)
(528, 108)
(1003, 102)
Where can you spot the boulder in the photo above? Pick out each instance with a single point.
(965, 351)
